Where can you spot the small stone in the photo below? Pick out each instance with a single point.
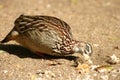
(113, 59)
(93, 67)
(5, 71)
(40, 73)
(49, 73)
(95, 45)
(104, 77)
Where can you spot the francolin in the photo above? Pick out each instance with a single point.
(48, 35)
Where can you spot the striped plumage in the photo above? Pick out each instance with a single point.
(46, 34)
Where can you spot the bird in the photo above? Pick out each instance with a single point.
(48, 35)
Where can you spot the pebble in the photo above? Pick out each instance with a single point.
(5, 71)
(113, 59)
(104, 77)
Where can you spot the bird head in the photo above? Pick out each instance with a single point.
(83, 48)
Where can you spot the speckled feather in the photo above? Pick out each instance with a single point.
(25, 23)
(46, 34)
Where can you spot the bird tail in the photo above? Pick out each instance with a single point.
(11, 36)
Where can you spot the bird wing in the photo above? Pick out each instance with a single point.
(25, 23)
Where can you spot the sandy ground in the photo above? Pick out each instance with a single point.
(94, 21)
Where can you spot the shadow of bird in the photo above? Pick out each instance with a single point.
(22, 52)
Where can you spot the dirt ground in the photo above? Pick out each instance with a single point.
(94, 21)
